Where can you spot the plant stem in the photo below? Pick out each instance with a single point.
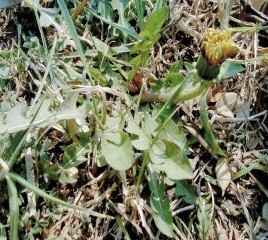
(142, 170)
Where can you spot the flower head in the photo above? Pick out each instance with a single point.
(217, 46)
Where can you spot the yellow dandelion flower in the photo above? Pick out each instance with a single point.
(217, 45)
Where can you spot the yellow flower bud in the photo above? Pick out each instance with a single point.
(217, 46)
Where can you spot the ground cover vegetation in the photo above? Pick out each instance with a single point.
(142, 119)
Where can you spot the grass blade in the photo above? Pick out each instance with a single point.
(115, 25)
(140, 10)
(2, 232)
(46, 196)
(72, 30)
(13, 209)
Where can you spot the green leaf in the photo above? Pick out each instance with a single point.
(105, 10)
(171, 160)
(204, 218)
(144, 133)
(186, 191)
(15, 154)
(163, 227)
(174, 133)
(160, 205)
(140, 10)
(120, 6)
(117, 150)
(149, 35)
(191, 88)
(174, 77)
(151, 29)
(154, 23)
(158, 199)
(44, 117)
(187, 88)
(230, 69)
